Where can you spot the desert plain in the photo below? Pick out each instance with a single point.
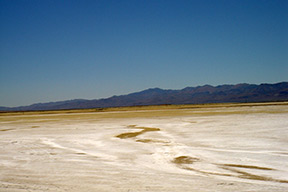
(183, 148)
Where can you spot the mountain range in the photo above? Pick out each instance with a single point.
(239, 93)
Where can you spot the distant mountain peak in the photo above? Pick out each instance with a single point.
(156, 89)
(190, 95)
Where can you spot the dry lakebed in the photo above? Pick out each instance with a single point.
(181, 148)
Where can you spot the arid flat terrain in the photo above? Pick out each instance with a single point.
(201, 148)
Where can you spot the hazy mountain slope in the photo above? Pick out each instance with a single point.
(188, 95)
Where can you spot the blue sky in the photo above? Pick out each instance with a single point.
(53, 50)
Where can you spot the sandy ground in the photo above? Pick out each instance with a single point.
(227, 148)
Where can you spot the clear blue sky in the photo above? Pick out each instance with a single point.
(53, 50)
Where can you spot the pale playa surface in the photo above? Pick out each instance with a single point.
(232, 148)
